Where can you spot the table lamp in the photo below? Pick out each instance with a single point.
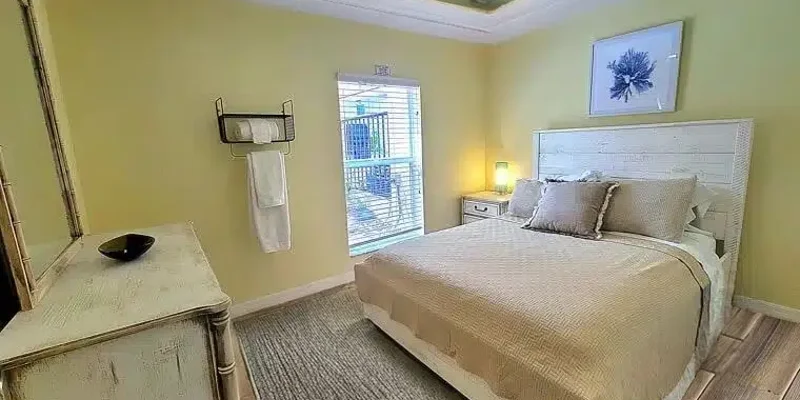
(501, 177)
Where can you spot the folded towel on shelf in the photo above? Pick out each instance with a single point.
(269, 207)
(259, 131)
(264, 131)
(244, 132)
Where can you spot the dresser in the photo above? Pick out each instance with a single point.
(482, 205)
(154, 328)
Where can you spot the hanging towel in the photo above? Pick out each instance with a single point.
(264, 131)
(268, 171)
(269, 208)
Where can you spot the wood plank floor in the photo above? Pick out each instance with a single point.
(756, 358)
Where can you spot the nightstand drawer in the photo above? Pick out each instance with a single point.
(481, 209)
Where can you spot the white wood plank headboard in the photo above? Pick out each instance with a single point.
(718, 152)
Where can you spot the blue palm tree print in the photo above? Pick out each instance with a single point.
(631, 71)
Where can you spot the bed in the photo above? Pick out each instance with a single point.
(505, 313)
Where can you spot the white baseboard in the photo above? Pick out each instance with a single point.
(249, 307)
(767, 308)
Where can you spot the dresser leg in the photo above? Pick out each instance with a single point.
(226, 363)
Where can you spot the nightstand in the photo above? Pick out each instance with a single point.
(478, 206)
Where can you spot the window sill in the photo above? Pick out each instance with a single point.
(369, 248)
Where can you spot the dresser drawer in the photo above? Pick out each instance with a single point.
(167, 362)
(481, 209)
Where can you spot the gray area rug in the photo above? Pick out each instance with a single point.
(322, 347)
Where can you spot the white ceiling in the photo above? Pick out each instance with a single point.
(435, 18)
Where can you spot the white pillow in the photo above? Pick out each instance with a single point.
(704, 197)
(701, 201)
(585, 176)
(694, 229)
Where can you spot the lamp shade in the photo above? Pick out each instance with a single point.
(501, 177)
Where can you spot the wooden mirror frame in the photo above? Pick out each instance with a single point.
(30, 288)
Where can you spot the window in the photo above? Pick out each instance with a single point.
(382, 145)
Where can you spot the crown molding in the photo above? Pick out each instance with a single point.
(435, 18)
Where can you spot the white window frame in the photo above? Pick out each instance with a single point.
(391, 81)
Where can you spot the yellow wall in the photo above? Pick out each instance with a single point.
(740, 59)
(25, 141)
(140, 79)
(59, 106)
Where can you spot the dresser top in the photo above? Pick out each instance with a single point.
(97, 299)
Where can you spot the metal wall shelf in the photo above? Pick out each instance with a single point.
(286, 118)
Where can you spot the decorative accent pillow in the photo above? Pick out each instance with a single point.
(655, 208)
(527, 193)
(572, 208)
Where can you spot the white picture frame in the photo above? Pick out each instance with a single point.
(637, 72)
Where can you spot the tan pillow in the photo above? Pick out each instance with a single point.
(655, 208)
(526, 196)
(572, 208)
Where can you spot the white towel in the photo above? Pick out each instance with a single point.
(264, 131)
(269, 174)
(269, 208)
(244, 132)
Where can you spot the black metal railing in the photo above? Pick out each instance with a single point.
(366, 137)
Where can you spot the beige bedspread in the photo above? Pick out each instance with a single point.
(543, 316)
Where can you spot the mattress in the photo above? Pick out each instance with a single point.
(538, 315)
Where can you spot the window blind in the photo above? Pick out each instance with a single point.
(382, 144)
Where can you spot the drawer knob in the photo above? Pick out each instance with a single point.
(484, 209)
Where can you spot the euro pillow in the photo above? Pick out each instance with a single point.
(527, 193)
(654, 208)
(572, 208)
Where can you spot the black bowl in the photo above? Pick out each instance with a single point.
(127, 247)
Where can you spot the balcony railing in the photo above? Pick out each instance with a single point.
(380, 178)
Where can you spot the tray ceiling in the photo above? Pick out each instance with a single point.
(448, 18)
(484, 5)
